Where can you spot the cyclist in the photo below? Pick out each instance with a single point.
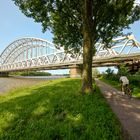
(124, 83)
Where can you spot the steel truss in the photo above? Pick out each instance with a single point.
(34, 53)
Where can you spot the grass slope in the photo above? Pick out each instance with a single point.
(57, 111)
(115, 83)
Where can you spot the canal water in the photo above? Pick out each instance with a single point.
(10, 83)
(41, 77)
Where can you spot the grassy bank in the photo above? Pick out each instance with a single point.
(115, 83)
(57, 111)
(30, 73)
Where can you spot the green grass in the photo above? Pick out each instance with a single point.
(116, 84)
(30, 73)
(57, 111)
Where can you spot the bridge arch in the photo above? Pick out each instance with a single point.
(30, 53)
(24, 46)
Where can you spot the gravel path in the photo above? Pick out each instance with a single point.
(7, 84)
(127, 110)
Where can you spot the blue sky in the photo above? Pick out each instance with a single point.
(15, 25)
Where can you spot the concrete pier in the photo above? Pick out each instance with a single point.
(75, 71)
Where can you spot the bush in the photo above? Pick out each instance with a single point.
(123, 70)
(31, 73)
(109, 75)
(134, 80)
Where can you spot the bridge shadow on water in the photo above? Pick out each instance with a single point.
(56, 112)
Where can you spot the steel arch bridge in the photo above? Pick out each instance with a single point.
(34, 53)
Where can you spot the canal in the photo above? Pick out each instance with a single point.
(10, 83)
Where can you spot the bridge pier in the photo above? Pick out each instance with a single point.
(4, 74)
(75, 71)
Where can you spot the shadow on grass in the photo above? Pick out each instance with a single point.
(58, 112)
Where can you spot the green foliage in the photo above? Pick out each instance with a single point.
(65, 18)
(137, 73)
(135, 80)
(31, 73)
(57, 111)
(134, 83)
(82, 23)
(109, 74)
(123, 70)
(114, 81)
(109, 71)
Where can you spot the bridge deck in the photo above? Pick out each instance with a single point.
(97, 62)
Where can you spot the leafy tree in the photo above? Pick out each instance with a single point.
(31, 73)
(109, 72)
(123, 70)
(138, 72)
(82, 23)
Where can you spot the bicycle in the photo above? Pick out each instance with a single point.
(128, 91)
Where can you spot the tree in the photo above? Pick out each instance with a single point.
(137, 73)
(123, 70)
(109, 72)
(82, 23)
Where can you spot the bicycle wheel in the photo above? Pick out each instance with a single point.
(129, 92)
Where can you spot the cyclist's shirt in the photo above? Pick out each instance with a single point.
(124, 80)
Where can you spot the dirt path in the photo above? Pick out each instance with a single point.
(127, 110)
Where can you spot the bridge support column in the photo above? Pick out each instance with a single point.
(4, 74)
(75, 71)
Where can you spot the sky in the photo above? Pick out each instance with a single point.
(14, 25)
